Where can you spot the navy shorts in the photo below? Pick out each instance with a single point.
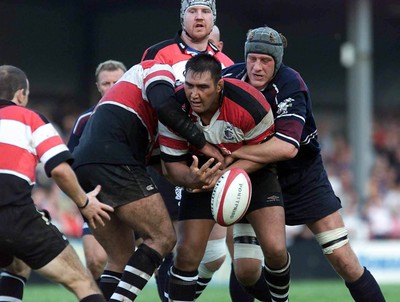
(308, 195)
(120, 184)
(266, 193)
(170, 193)
(27, 234)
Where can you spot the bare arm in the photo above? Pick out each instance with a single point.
(94, 211)
(191, 177)
(271, 151)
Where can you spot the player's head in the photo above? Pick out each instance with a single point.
(215, 38)
(185, 4)
(265, 40)
(107, 73)
(14, 85)
(203, 83)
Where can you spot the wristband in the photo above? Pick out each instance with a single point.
(86, 203)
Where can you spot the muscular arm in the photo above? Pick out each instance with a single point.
(66, 179)
(270, 151)
(193, 177)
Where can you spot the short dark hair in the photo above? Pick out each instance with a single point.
(203, 63)
(12, 79)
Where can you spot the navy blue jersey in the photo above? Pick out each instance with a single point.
(290, 101)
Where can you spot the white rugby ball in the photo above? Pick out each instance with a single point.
(231, 197)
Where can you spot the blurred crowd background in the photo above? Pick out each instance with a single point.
(377, 217)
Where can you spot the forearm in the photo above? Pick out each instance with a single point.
(271, 151)
(66, 179)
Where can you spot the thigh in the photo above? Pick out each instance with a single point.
(308, 195)
(269, 226)
(120, 184)
(327, 223)
(30, 236)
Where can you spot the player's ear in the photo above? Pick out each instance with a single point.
(19, 97)
(220, 85)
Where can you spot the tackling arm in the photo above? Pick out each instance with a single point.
(271, 151)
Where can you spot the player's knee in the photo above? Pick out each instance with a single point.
(214, 255)
(187, 257)
(332, 239)
(245, 242)
(247, 271)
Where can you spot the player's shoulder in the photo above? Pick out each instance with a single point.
(237, 70)
(160, 48)
(289, 76)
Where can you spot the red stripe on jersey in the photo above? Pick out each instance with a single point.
(47, 144)
(23, 115)
(172, 143)
(18, 160)
(159, 73)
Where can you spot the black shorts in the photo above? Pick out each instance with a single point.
(170, 193)
(266, 192)
(120, 184)
(308, 195)
(27, 234)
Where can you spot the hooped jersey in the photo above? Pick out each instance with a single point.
(290, 100)
(106, 137)
(26, 138)
(244, 117)
(176, 53)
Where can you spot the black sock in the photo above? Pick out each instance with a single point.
(201, 286)
(108, 283)
(161, 277)
(94, 298)
(260, 289)
(182, 285)
(365, 289)
(12, 286)
(236, 290)
(138, 271)
(278, 281)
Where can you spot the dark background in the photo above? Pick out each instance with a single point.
(60, 43)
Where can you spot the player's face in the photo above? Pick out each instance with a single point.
(202, 93)
(107, 78)
(260, 69)
(198, 22)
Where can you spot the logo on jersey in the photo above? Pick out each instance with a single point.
(229, 133)
(150, 188)
(273, 198)
(284, 105)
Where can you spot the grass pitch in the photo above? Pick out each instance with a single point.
(300, 291)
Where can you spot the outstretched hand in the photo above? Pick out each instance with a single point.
(96, 211)
(205, 176)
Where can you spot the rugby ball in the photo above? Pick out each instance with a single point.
(231, 196)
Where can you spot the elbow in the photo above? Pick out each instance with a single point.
(289, 152)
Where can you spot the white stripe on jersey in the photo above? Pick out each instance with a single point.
(17, 134)
(24, 177)
(309, 137)
(52, 152)
(137, 74)
(292, 115)
(43, 133)
(288, 138)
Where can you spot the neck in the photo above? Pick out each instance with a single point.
(200, 45)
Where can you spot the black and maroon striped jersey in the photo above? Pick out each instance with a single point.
(290, 101)
(109, 135)
(26, 138)
(244, 117)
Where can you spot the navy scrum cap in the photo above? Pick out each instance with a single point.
(265, 40)
(185, 4)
